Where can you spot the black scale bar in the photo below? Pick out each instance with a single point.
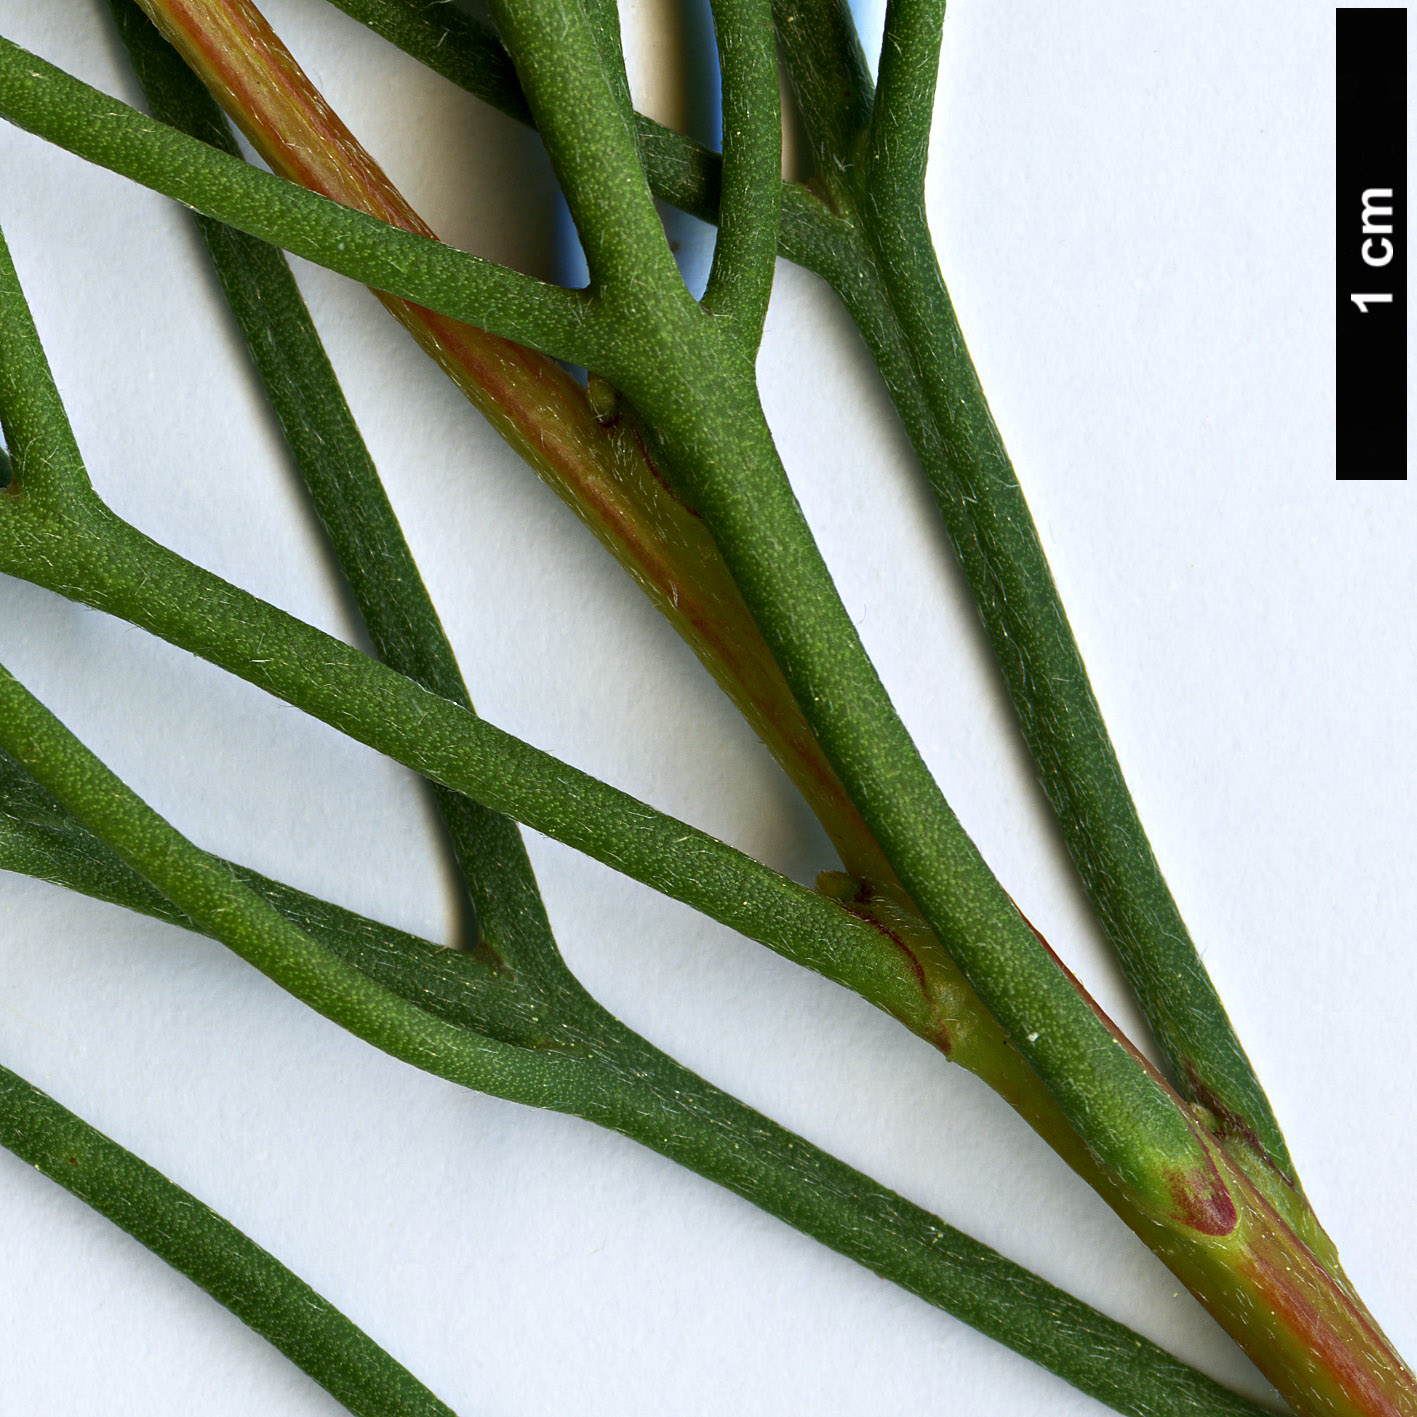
(1372, 245)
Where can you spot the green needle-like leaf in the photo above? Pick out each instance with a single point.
(39, 837)
(700, 398)
(909, 322)
(634, 1090)
(667, 1108)
(680, 171)
(709, 421)
(829, 75)
(36, 96)
(910, 327)
(351, 502)
(210, 895)
(212, 1253)
(1209, 1186)
(745, 253)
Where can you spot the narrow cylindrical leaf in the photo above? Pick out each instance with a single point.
(745, 252)
(663, 1106)
(56, 106)
(212, 1253)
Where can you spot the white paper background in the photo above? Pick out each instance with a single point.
(1133, 209)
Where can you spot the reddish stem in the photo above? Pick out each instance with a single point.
(1225, 1236)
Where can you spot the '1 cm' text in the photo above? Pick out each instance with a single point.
(1377, 249)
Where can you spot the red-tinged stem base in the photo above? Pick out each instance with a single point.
(1223, 1237)
(1296, 1316)
(1259, 1263)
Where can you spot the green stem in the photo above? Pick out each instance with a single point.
(910, 327)
(212, 1253)
(826, 661)
(1119, 1111)
(898, 143)
(593, 456)
(698, 393)
(658, 1103)
(46, 101)
(915, 337)
(680, 171)
(96, 558)
(40, 837)
(579, 107)
(81, 543)
(830, 76)
(207, 892)
(105, 563)
(685, 1119)
(745, 252)
(604, 18)
(462, 48)
(350, 500)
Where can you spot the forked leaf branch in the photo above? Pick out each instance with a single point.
(1207, 1181)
